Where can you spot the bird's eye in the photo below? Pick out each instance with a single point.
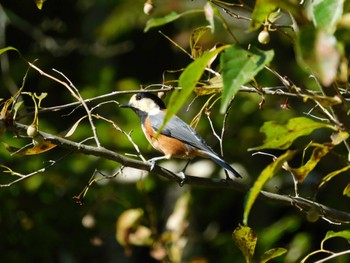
(138, 96)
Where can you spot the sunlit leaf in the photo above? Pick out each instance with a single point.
(245, 239)
(272, 253)
(160, 21)
(346, 190)
(326, 13)
(3, 50)
(317, 52)
(39, 3)
(188, 81)
(317, 154)
(271, 170)
(41, 148)
(240, 66)
(282, 136)
(332, 175)
(262, 10)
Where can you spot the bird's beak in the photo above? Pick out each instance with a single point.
(125, 105)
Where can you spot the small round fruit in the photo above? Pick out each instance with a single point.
(32, 130)
(264, 37)
(148, 8)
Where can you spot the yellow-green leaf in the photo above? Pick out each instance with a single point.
(262, 10)
(282, 136)
(271, 170)
(317, 154)
(346, 190)
(195, 36)
(333, 174)
(272, 253)
(39, 3)
(331, 234)
(245, 239)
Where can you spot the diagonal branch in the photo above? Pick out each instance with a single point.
(329, 214)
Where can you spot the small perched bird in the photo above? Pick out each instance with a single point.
(177, 139)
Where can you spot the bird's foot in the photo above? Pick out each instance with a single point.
(182, 176)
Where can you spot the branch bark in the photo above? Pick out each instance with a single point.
(329, 214)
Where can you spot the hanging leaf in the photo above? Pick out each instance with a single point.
(245, 239)
(214, 85)
(39, 3)
(240, 66)
(3, 50)
(282, 136)
(272, 253)
(317, 52)
(271, 170)
(209, 11)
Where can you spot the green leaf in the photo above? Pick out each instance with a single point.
(39, 3)
(272, 253)
(317, 52)
(245, 239)
(282, 136)
(240, 66)
(3, 50)
(331, 234)
(261, 11)
(265, 175)
(160, 21)
(327, 13)
(188, 81)
(317, 154)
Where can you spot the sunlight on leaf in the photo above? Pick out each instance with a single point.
(41, 148)
(271, 170)
(240, 66)
(282, 136)
(74, 127)
(214, 85)
(3, 50)
(245, 239)
(272, 253)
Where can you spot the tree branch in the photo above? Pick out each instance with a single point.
(305, 205)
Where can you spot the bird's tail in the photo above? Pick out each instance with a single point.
(223, 164)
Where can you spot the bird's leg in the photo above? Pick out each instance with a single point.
(182, 174)
(153, 160)
(228, 178)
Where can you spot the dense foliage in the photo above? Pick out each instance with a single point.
(264, 82)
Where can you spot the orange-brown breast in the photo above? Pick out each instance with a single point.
(171, 147)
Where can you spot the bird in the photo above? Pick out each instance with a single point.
(177, 139)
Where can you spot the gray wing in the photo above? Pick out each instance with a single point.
(178, 129)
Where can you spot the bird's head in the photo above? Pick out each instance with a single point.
(145, 102)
